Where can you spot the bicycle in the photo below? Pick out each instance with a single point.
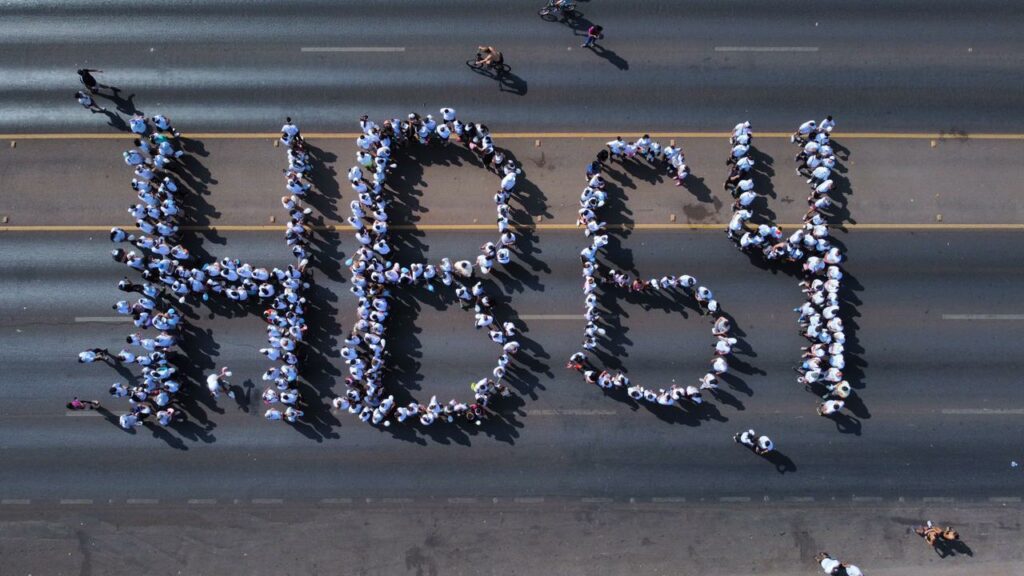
(553, 13)
(495, 70)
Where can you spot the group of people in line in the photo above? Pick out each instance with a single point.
(285, 318)
(596, 274)
(810, 246)
(375, 274)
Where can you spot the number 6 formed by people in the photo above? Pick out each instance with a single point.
(600, 276)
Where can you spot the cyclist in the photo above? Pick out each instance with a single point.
(489, 56)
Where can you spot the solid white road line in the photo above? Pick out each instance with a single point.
(103, 319)
(551, 317)
(352, 49)
(766, 48)
(983, 316)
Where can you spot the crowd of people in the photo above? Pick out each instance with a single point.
(375, 274)
(170, 275)
(810, 247)
(286, 323)
(596, 275)
(156, 252)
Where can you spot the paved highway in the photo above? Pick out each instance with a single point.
(940, 396)
(568, 480)
(232, 65)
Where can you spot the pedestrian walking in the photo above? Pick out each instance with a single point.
(594, 33)
(88, 103)
(90, 82)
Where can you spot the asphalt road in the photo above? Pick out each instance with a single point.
(568, 480)
(232, 65)
(940, 397)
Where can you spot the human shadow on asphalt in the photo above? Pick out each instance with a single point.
(783, 464)
(115, 121)
(845, 423)
(620, 221)
(611, 56)
(326, 191)
(162, 433)
(124, 105)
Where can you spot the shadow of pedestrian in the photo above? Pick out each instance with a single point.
(782, 463)
(611, 56)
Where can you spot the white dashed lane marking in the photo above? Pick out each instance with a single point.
(529, 500)
(76, 501)
(15, 501)
(336, 501)
(267, 501)
(316, 49)
(766, 48)
(142, 501)
(202, 501)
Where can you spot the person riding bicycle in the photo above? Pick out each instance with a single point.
(489, 56)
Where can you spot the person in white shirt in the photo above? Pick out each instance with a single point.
(803, 131)
(617, 148)
(827, 125)
(289, 131)
(217, 382)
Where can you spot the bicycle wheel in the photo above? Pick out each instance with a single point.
(503, 68)
(547, 14)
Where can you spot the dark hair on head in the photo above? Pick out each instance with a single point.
(287, 118)
(647, 135)
(829, 117)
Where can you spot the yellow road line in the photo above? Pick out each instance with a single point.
(525, 135)
(539, 227)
